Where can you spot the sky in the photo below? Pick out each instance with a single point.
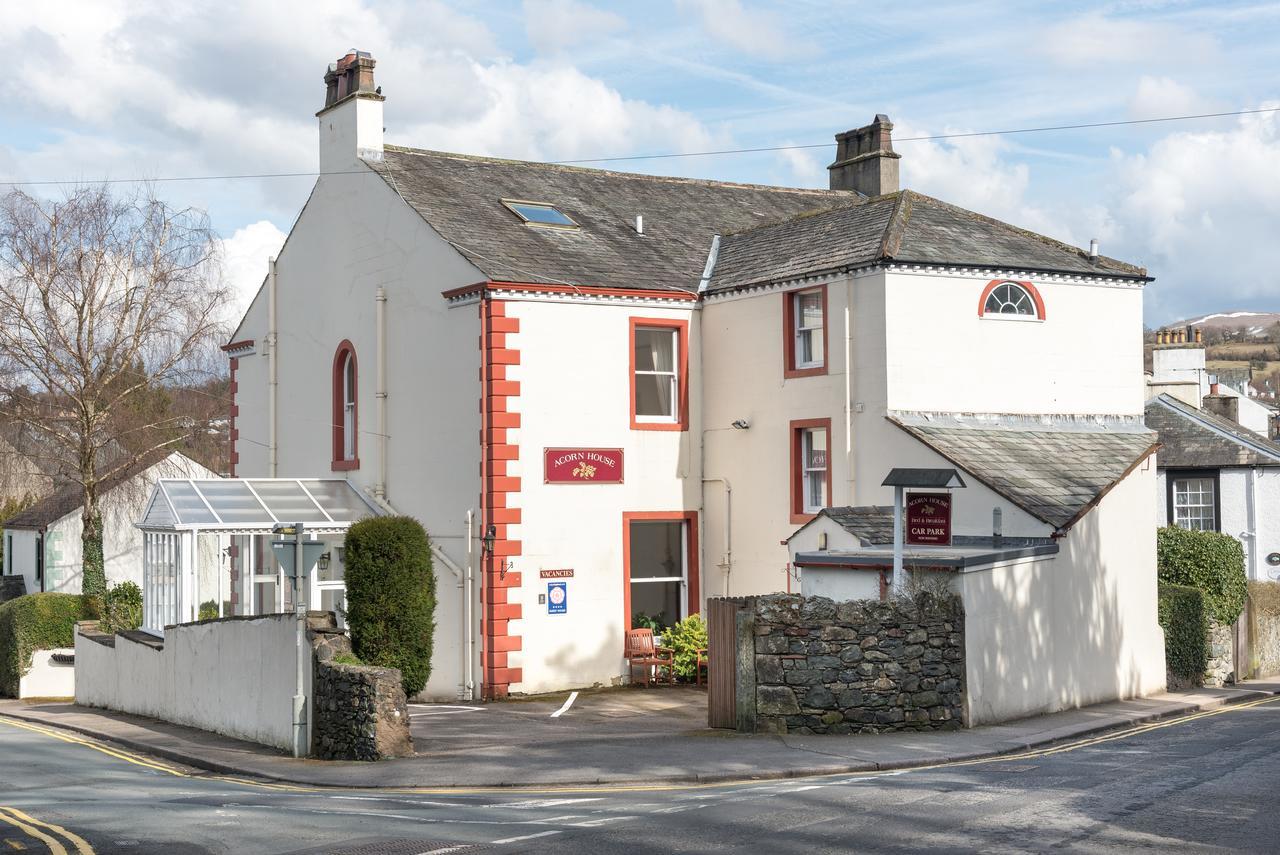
(134, 89)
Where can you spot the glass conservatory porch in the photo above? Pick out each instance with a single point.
(207, 546)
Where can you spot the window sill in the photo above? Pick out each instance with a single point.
(636, 425)
(346, 465)
(1032, 319)
(812, 371)
(801, 519)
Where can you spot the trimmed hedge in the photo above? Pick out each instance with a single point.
(1207, 560)
(37, 622)
(1186, 634)
(391, 597)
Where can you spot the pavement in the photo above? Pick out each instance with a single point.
(620, 737)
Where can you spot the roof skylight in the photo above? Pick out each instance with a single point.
(540, 214)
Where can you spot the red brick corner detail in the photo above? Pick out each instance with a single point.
(498, 407)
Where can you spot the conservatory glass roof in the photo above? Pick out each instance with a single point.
(254, 504)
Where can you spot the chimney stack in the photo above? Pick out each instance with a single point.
(865, 159)
(1227, 406)
(351, 119)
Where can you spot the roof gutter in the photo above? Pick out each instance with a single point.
(712, 256)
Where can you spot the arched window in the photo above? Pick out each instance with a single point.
(1008, 299)
(346, 422)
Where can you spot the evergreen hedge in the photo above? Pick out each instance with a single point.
(1207, 560)
(1183, 617)
(37, 622)
(391, 597)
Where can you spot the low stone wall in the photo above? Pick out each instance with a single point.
(1221, 668)
(1264, 643)
(857, 667)
(361, 712)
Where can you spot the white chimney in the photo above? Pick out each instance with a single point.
(1093, 249)
(351, 121)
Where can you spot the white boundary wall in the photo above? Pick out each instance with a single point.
(232, 676)
(47, 678)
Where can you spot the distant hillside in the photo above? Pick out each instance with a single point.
(1251, 323)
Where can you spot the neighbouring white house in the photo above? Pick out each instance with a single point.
(1215, 472)
(609, 394)
(42, 544)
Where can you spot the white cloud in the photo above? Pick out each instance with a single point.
(1201, 206)
(1158, 97)
(244, 263)
(755, 31)
(1094, 40)
(553, 25)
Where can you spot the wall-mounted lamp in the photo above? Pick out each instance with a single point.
(741, 424)
(322, 563)
(486, 542)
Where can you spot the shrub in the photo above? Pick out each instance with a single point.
(347, 659)
(391, 597)
(122, 608)
(686, 638)
(1186, 628)
(640, 620)
(1207, 560)
(208, 610)
(36, 622)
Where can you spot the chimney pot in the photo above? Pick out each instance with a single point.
(1093, 249)
(349, 75)
(865, 159)
(1199, 336)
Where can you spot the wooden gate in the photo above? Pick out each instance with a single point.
(722, 664)
(1241, 653)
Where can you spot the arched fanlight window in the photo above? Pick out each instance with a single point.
(1011, 299)
(346, 425)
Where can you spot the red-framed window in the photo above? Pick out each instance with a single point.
(346, 409)
(804, 332)
(660, 576)
(658, 373)
(810, 468)
(1010, 299)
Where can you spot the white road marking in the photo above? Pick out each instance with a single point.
(446, 849)
(573, 696)
(525, 837)
(596, 823)
(545, 803)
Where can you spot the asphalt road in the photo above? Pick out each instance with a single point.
(1207, 782)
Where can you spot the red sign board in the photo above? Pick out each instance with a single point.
(582, 465)
(929, 519)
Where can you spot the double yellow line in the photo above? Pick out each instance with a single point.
(45, 832)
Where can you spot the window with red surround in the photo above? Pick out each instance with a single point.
(804, 332)
(1011, 300)
(659, 374)
(810, 468)
(345, 415)
(660, 577)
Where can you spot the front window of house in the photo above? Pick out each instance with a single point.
(659, 361)
(1011, 301)
(349, 409)
(1194, 503)
(810, 468)
(805, 319)
(657, 563)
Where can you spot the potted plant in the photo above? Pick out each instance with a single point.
(643, 621)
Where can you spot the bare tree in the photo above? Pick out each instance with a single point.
(106, 302)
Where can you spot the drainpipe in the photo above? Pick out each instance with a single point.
(273, 372)
(1251, 520)
(468, 615)
(848, 392)
(380, 489)
(728, 540)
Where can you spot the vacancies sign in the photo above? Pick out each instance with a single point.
(929, 519)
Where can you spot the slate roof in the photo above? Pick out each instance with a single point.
(769, 233)
(1054, 468)
(871, 524)
(461, 197)
(70, 498)
(905, 227)
(1195, 438)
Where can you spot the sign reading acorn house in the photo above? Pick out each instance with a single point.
(929, 519)
(582, 465)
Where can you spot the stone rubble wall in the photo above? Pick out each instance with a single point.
(1221, 669)
(858, 667)
(361, 712)
(1264, 644)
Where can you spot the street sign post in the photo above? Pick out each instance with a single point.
(296, 558)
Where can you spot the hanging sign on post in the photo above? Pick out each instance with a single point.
(284, 553)
(929, 519)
